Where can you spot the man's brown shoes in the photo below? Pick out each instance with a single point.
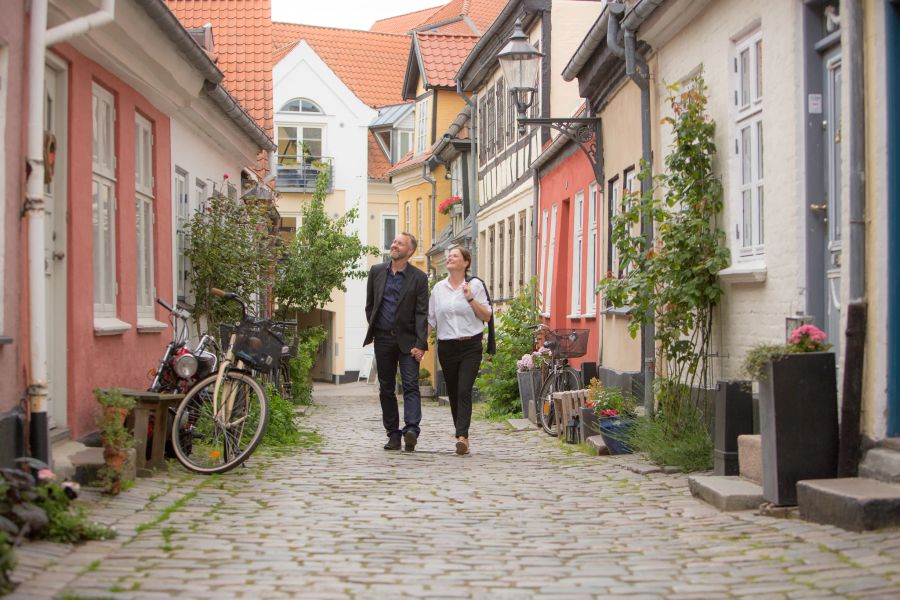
(462, 445)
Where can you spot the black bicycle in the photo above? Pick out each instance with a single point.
(563, 345)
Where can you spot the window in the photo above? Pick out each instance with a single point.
(422, 126)
(747, 127)
(614, 205)
(491, 124)
(182, 218)
(301, 105)
(491, 261)
(577, 249)
(590, 304)
(388, 233)
(103, 183)
(299, 145)
(404, 143)
(482, 140)
(522, 231)
(201, 195)
(511, 114)
(536, 100)
(501, 245)
(511, 241)
(419, 226)
(551, 258)
(501, 120)
(144, 215)
(545, 235)
(407, 222)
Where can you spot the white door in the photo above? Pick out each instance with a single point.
(55, 260)
(832, 214)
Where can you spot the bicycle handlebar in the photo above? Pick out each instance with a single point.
(181, 314)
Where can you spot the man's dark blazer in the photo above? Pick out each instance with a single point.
(411, 325)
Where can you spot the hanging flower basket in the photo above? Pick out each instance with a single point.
(449, 202)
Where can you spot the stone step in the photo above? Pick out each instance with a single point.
(854, 503)
(727, 493)
(596, 442)
(750, 457)
(882, 462)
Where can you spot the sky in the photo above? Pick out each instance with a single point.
(347, 14)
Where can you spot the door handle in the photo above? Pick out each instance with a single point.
(818, 206)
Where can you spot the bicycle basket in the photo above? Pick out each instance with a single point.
(254, 344)
(571, 343)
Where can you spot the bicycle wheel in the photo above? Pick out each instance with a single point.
(217, 444)
(285, 385)
(563, 381)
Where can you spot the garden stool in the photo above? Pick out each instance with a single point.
(158, 405)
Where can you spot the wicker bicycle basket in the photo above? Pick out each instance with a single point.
(571, 343)
(254, 344)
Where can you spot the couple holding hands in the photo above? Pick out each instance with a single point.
(401, 314)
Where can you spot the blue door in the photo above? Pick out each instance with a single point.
(892, 21)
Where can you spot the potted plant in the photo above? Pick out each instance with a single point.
(426, 390)
(115, 437)
(798, 412)
(529, 371)
(615, 412)
(448, 203)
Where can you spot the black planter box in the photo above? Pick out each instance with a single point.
(798, 423)
(734, 417)
(589, 424)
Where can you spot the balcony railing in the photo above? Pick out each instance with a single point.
(300, 176)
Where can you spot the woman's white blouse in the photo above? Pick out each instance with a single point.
(451, 314)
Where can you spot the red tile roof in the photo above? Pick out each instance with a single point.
(371, 64)
(404, 23)
(481, 12)
(379, 165)
(442, 55)
(408, 162)
(242, 31)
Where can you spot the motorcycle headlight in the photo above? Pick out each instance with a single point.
(185, 366)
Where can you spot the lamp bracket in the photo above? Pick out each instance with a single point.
(583, 131)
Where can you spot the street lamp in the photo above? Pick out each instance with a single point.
(520, 62)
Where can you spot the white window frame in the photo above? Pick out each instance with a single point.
(501, 254)
(545, 238)
(407, 216)
(577, 251)
(385, 242)
(551, 259)
(615, 206)
(422, 125)
(747, 169)
(103, 202)
(630, 185)
(590, 308)
(201, 194)
(182, 210)
(144, 217)
(404, 143)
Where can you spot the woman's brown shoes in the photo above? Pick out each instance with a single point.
(462, 445)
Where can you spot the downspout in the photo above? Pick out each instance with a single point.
(426, 175)
(39, 39)
(637, 69)
(855, 345)
(473, 186)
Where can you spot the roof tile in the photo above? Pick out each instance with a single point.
(242, 30)
(371, 64)
(442, 55)
(404, 23)
(379, 165)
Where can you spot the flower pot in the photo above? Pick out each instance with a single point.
(798, 423)
(615, 431)
(589, 423)
(529, 386)
(426, 391)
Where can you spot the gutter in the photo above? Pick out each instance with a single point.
(39, 38)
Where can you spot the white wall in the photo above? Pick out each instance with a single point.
(751, 313)
(302, 73)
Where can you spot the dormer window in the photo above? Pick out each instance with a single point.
(301, 105)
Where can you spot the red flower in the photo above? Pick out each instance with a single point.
(444, 206)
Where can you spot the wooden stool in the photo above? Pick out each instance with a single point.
(158, 405)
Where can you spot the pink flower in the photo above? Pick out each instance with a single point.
(225, 176)
(44, 474)
(810, 331)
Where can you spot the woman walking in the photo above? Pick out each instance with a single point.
(458, 309)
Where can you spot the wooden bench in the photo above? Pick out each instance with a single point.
(158, 405)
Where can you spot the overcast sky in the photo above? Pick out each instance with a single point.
(348, 14)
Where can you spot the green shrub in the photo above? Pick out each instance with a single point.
(68, 523)
(7, 563)
(282, 430)
(515, 337)
(302, 364)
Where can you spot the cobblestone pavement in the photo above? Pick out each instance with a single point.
(518, 518)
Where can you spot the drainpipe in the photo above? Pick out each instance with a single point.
(637, 69)
(855, 345)
(39, 39)
(426, 175)
(473, 184)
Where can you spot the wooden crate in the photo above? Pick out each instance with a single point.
(567, 404)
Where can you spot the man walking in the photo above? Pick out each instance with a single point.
(397, 311)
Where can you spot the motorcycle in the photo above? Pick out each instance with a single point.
(180, 368)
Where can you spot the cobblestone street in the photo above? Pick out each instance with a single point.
(520, 517)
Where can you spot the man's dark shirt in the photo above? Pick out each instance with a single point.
(387, 314)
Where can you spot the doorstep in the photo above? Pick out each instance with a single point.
(727, 493)
(853, 503)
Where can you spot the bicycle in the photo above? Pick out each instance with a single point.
(280, 378)
(227, 413)
(563, 345)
